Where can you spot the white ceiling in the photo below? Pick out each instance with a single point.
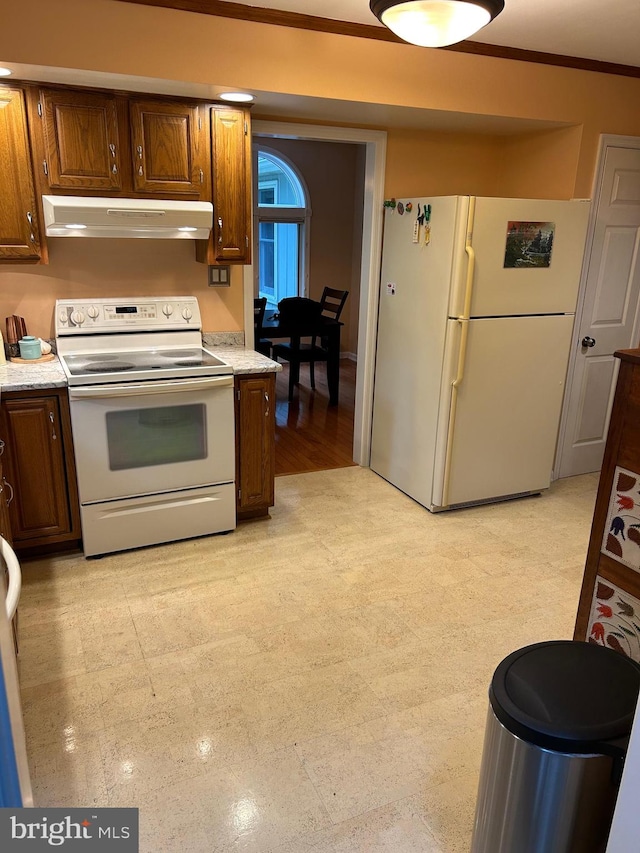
(606, 30)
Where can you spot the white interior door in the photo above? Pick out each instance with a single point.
(609, 316)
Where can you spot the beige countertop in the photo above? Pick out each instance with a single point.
(27, 377)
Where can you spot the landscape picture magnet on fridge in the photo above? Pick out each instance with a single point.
(529, 244)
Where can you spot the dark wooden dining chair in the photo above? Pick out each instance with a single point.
(261, 345)
(331, 305)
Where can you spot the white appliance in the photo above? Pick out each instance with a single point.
(474, 333)
(15, 786)
(86, 216)
(152, 416)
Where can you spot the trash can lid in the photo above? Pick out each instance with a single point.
(567, 696)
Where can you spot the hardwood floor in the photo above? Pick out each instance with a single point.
(310, 434)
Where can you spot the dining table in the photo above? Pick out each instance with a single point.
(327, 328)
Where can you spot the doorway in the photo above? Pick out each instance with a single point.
(372, 217)
(608, 313)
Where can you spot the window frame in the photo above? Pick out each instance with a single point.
(282, 213)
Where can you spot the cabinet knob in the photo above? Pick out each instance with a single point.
(140, 170)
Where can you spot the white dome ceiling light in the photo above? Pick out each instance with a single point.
(435, 23)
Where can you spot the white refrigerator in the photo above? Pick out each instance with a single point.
(476, 311)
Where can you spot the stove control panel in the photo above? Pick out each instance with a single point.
(139, 314)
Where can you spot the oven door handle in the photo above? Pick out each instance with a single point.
(15, 577)
(136, 389)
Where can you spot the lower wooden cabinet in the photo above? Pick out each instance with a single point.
(255, 443)
(6, 493)
(39, 467)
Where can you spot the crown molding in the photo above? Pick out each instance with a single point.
(297, 20)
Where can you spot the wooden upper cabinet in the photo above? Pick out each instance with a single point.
(19, 233)
(170, 143)
(81, 140)
(231, 156)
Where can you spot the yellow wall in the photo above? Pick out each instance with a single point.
(109, 36)
(84, 268)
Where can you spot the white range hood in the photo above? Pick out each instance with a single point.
(80, 216)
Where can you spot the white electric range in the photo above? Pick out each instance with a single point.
(152, 419)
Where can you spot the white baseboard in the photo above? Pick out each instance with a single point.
(352, 356)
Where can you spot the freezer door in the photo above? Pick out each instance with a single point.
(510, 238)
(508, 410)
(412, 322)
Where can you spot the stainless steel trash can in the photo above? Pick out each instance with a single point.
(558, 727)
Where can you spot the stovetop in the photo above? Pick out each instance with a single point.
(86, 368)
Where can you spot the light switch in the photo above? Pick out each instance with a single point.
(219, 276)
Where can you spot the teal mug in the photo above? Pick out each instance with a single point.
(30, 347)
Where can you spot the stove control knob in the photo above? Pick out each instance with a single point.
(77, 318)
(93, 311)
(187, 313)
(63, 318)
(167, 310)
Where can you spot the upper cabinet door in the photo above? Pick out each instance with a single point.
(231, 181)
(81, 139)
(170, 148)
(19, 236)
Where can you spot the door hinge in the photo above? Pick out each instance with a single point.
(239, 494)
(39, 109)
(45, 167)
(238, 394)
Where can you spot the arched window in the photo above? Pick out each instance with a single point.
(282, 212)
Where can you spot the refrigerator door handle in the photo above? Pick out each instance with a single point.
(463, 320)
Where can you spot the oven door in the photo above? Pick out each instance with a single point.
(152, 437)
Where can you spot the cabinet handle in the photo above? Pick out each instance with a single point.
(10, 487)
(1, 447)
(220, 229)
(268, 409)
(32, 236)
(45, 167)
(114, 169)
(52, 419)
(112, 148)
(140, 170)
(201, 176)
(139, 150)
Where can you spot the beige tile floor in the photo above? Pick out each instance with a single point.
(312, 682)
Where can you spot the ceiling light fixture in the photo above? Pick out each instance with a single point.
(5, 72)
(236, 97)
(435, 23)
